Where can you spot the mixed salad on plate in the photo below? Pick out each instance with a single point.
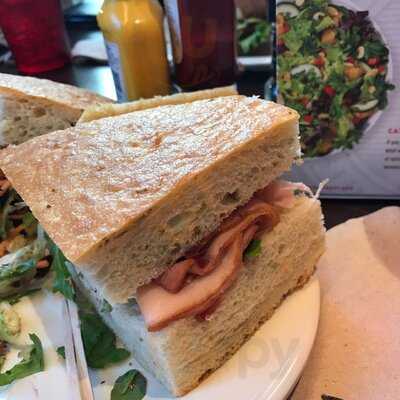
(31, 262)
(332, 68)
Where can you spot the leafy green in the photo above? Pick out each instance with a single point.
(348, 141)
(344, 126)
(28, 219)
(299, 31)
(31, 363)
(3, 353)
(319, 4)
(6, 210)
(326, 22)
(62, 280)
(260, 33)
(61, 351)
(350, 39)
(99, 341)
(13, 271)
(19, 268)
(130, 386)
(328, 397)
(336, 109)
(287, 63)
(382, 88)
(30, 223)
(253, 249)
(15, 298)
(375, 49)
(106, 306)
(334, 54)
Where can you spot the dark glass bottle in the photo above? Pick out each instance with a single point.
(203, 37)
(271, 86)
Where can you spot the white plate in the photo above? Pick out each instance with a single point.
(266, 367)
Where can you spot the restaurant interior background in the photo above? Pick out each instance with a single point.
(253, 79)
(89, 69)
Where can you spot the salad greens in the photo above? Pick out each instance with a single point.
(31, 363)
(23, 248)
(62, 279)
(61, 351)
(5, 223)
(332, 69)
(252, 33)
(26, 256)
(130, 386)
(99, 341)
(15, 298)
(18, 269)
(106, 306)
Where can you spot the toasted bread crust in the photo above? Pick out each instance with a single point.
(185, 352)
(93, 181)
(53, 92)
(111, 110)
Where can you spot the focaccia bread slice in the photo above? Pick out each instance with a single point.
(182, 354)
(31, 107)
(125, 197)
(111, 110)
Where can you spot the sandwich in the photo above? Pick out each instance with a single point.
(175, 218)
(32, 107)
(111, 110)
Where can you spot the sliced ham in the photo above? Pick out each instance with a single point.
(160, 307)
(263, 216)
(282, 193)
(171, 296)
(194, 286)
(247, 238)
(174, 278)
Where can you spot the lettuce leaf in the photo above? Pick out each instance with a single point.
(31, 363)
(326, 22)
(62, 280)
(99, 341)
(253, 249)
(299, 30)
(130, 386)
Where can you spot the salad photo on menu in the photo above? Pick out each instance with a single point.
(333, 68)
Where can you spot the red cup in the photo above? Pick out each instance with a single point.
(35, 32)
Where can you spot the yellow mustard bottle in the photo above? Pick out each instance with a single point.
(134, 38)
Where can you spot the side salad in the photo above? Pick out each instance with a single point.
(332, 69)
(30, 261)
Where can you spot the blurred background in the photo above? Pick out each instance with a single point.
(89, 62)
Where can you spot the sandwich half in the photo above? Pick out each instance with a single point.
(31, 107)
(111, 110)
(174, 216)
